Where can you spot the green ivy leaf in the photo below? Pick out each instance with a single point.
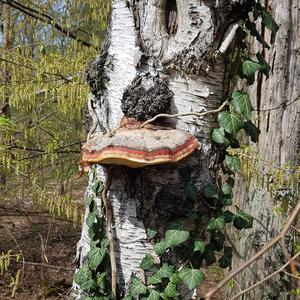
(96, 256)
(97, 187)
(242, 220)
(160, 248)
(226, 188)
(154, 279)
(170, 290)
(225, 260)
(151, 233)
(210, 191)
(101, 281)
(218, 136)
(226, 200)
(231, 122)
(266, 68)
(253, 31)
(88, 201)
(249, 67)
(166, 271)
(269, 21)
(175, 278)
(252, 131)
(228, 216)
(137, 287)
(233, 163)
(216, 223)
(190, 191)
(147, 262)
(199, 246)
(154, 295)
(176, 235)
(191, 277)
(217, 241)
(209, 256)
(241, 102)
(91, 219)
(85, 280)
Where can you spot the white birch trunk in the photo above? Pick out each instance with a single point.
(139, 45)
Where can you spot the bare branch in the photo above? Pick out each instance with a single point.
(266, 278)
(45, 19)
(197, 114)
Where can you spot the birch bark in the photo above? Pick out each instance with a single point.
(147, 43)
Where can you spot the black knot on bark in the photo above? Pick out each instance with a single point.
(147, 96)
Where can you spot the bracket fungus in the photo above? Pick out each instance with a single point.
(136, 147)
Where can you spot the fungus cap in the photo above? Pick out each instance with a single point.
(141, 147)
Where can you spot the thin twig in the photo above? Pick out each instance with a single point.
(284, 231)
(197, 114)
(109, 231)
(48, 266)
(266, 278)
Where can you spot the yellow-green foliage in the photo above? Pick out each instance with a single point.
(42, 136)
(281, 181)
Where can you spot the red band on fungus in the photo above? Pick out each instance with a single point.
(138, 148)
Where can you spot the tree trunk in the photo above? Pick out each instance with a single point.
(155, 49)
(277, 103)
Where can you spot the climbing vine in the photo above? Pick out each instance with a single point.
(185, 247)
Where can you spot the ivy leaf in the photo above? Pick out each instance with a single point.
(154, 295)
(216, 223)
(147, 262)
(231, 122)
(199, 246)
(218, 136)
(190, 191)
(191, 277)
(226, 200)
(233, 163)
(85, 280)
(249, 67)
(176, 235)
(96, 256)
(253, 31)
(166, 271)
(209, 256)
(252, 131)
(241, 102)
(154, 279)
(175, 278)
(269, 22)
(225, 260)
(266, 68)
(170, 290)
(210, 191)
(91, 219)
(101, 280)
(242, 220)
(228, 216)
(151, 233)
(88, 201)
(160, 248)
(137, 287)
(226, 188)
(217, 241)
(97, 187)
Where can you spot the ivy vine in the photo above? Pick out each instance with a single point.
(181, 251)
